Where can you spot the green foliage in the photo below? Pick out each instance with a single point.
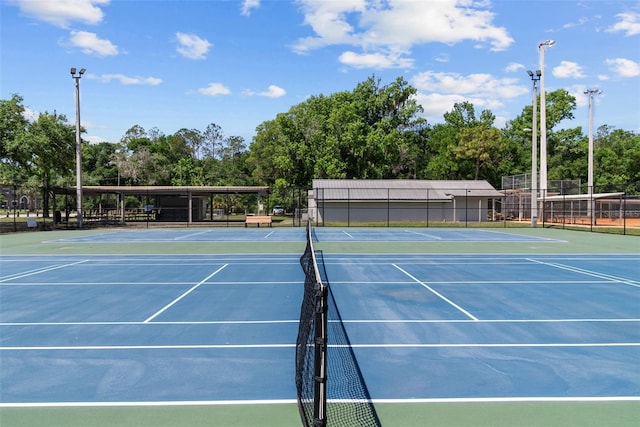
(371, 132)
(374, 131)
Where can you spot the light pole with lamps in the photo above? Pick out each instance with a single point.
(591, 93)
(76, 77)
(543, 120)
(534, 149)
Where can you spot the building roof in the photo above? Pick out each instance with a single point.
(574, 197)
(203, 190)
(400, 189)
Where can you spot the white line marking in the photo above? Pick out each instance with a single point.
(293, 401)
(165, 403)
(145, 347)
(424, 234)
(296, 321)
(489, 345)
(269, 235)
(203, 322)
(512, 399)
(186, 236)
(86, 284)
(42, 270)
(350, 236)
(292, 345)
(184, 294)
(436, 293)
(588, 272)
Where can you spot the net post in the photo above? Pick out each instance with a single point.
(320, 363)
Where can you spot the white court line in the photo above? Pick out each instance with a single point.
(191, 235)
(293, 401)
(123, 323)
(489, 345)
(269, 235)
(34, 272)
(436, 293)
(512, 399)
(292, 345)
(154, 403)
(486, 320)
(156, 314)
(424, 234)
(588, 273)
(145, 347)
(296, 321)
(349, 235)
(532, 239)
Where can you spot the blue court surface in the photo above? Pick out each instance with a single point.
(105, 329)
(322, 234)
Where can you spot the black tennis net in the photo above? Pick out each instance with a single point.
(344, 399)
(311, 348)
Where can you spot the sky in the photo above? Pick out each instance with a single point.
(170, 64)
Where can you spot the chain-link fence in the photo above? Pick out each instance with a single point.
(565, 204)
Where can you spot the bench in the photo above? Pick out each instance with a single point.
(257, 220)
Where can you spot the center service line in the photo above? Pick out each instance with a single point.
(436, 293)
(184, 294)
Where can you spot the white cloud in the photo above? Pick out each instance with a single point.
(443, 57)
(395, 26)
(473, 85)
(192, 46)
(214, 89)
(62, 12)
(247, 5)
(90, 44)
(581, 22)
(272, 92)
(629, 24)
(624, 67)
(568, 69)
(514, 67)
(374, 60)
(127, 80)
(438, 92)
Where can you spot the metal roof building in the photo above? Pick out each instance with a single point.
(375, 201)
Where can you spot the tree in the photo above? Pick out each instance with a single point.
(480, 145)
(371, 132)
(616, 159)
(98, 165)
(12, 125)
(46, 150)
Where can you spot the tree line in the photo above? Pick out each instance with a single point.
(374, 131)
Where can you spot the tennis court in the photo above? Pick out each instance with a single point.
(198, 326)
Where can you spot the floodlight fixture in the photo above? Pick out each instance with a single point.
(543, 120)
(76, 78)
(590, 210)
(534, 149)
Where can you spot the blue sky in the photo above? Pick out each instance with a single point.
(185, 64)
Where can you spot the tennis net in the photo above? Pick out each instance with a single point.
(324, 350)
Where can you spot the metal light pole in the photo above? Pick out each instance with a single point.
(77, 77)
(543, 120)
(534, 149)
(591, 93)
